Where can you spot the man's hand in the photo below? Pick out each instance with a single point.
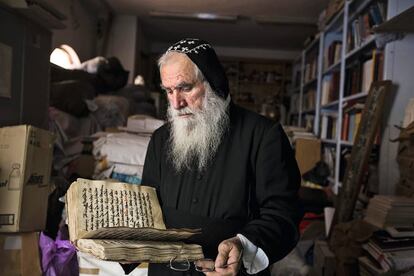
(228, 260)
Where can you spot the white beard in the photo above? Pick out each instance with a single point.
(194, 140)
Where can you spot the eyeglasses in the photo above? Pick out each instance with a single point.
(201, 265)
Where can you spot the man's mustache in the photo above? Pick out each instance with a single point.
(182, 111)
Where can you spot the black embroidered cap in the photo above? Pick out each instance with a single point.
(204, 56)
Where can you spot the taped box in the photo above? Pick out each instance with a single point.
(25, 167)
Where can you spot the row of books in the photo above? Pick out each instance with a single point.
(328, 126)
(294, 103)
(309, 100)
(358, 78)
(361, 27)
(332, 54)
(311, 68)
(330, 88)
(350, 122)
(360, 74)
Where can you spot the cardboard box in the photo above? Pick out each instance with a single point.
(19, 254)
(25, 167)
(307, 153)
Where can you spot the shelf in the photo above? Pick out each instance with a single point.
(347, 143)
(360, 8)
(294, 90)
(330, 105)
(312, 44)
(364, 44)
(355, 96)
(328, 141)
(310, 82)
(331, 68)
(334, 20)
(308, 111)
(260, 83)
(402, 22)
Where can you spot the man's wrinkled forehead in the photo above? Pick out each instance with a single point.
(177, 69)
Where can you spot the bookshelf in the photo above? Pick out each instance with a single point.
(347, 63)
(304, 101)
(258, 85)
(294, 93)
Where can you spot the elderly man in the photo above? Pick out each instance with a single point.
(221, 168)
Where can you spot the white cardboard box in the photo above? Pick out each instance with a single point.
(25, 167)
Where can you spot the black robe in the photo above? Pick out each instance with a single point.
(250, 187)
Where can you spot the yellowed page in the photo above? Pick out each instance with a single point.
(96, 204)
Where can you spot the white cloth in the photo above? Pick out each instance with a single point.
(89, 265)
(122, 148)
(142, 124)
(128, 169)
(254, 258)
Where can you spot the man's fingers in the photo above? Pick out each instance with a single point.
(229, 257)
(204, 265)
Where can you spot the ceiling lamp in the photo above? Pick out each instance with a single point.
(198, 16)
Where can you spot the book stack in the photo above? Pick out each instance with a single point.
(294, 133)
(390, 250)
(390, 211)
(386, 254)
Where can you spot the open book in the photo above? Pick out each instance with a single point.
(123, 222)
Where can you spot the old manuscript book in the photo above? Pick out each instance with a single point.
(123, 222)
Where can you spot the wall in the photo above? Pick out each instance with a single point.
(240, 52)
(399, 60)
(122, 42)
(81, 28)
(28, 46)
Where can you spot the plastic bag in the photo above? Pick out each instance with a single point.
(58, 256)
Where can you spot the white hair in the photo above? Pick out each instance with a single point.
(194, 141)
(165, 58)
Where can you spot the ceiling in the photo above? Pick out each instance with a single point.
(292, 21)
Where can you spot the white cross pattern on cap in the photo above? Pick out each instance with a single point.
(189, 45)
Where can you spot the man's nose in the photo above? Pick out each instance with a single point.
(177, 100)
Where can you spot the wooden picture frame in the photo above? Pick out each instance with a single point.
(364, 140)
